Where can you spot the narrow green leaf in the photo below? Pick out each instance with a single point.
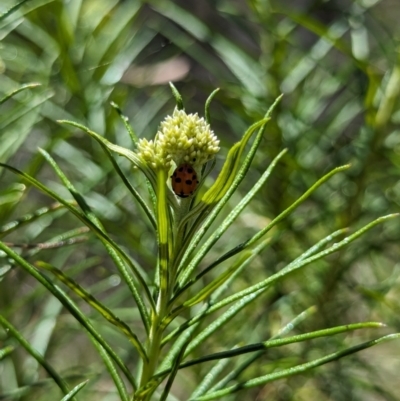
(229, 190)
(118, 255)
(208, 379)
(107, 25)
(280, 217)
(221, 320)
(222, 189)
(327, 33)
(29, 218)
(173, 353)
(276, 343)
(27, 112)
(234, 373)
(227, 223)
(23, 87)
(69, 238)
(12, 9)
(164, 241)
(75, 391)
(174, 371)
(130, 188)
(6, 351)
(241, 302)
(227, 175)
(279, 342)
(389, 98)
(219, 282)
(238, 267)
(35, 354)
(93, 218)
(131, 156)
(69, 305)
(95, 304)
(296, 369)
(125, 120)
(246, 296)
(208, 103)
(125, 180)
(119, 383)
(10, 195)
(177, 96)
(263, 285)
(295, 204)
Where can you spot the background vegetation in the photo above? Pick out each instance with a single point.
(337, 63)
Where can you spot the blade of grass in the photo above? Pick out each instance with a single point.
(21, 111)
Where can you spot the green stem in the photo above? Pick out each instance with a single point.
(147, 385)
(170, 240)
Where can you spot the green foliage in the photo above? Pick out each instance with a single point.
(258, 276)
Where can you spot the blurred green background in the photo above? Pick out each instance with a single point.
(337, 63)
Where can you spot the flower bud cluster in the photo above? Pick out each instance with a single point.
(182, 138)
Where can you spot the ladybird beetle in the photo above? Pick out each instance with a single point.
(184, 180)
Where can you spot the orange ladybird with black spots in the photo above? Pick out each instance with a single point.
(184, 180)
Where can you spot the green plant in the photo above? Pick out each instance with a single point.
(175, 298)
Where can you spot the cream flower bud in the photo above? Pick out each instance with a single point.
(182, 138)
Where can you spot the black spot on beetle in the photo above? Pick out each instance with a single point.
(178, 179)
(190, 170)
(188, 182)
